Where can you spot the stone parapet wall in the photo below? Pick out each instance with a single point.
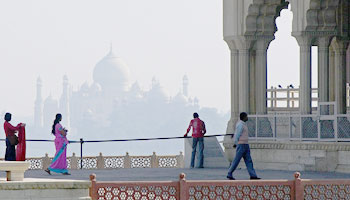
(297, 156)
(113, 162)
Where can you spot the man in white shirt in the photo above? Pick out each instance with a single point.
(243, 151)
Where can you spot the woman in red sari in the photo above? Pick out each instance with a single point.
(9, 131)
(21, 146)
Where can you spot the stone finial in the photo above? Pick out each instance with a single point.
(297, 175)
(181, 153)
(93, 177)
(101, 154)
(154, 153)
(182, 176)
(46, 155)
(73, 154)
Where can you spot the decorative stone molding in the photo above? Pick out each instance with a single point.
(297, 145)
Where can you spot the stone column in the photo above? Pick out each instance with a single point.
(243, 55)
(340, 47)
(252, 82)
(323, 69)
(234, 84)
(261, 75)
(331, 74)
(234, 92)
(305, 74)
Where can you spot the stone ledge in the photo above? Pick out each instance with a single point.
(296, 145)
(44, 184)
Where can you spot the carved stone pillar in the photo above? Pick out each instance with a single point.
(323, 69)
(340, 48)
(234, 92)
(244, 58)
(261, 75)
(331, 74)
(234, 84)
(252, 82)
(305, 74)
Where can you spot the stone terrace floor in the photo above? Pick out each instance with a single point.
(156, 174)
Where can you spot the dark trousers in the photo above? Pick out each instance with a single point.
(10, 151)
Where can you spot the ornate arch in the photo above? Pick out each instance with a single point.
(329, 17)
(261, 17)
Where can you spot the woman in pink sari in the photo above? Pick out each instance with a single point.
(59, 162)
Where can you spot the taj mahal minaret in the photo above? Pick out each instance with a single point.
(185, 86)
(38, 107)
(64, 103)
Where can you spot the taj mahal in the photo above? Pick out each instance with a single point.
(111, 106)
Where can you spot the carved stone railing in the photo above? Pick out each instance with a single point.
(287, 99)
(221, 189)
(113, 162)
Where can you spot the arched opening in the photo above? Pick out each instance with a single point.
(283, 67)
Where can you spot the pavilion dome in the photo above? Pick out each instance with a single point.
(111, 73)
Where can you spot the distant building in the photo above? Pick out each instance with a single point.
(112, 107)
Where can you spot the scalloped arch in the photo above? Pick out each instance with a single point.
(262, 14)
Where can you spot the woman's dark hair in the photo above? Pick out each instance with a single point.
(242, 115)
(195, 115)
(57, 120)
(7, 117)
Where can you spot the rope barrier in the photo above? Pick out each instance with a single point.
(122, 140)
(145, 139)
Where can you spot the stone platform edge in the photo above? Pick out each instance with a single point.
(43, 184)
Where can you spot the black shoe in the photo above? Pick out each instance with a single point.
(230, 178)
(255, 178)
(66, 173)
(48, 171)
(201, 167)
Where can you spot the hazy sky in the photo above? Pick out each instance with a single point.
(161, 38)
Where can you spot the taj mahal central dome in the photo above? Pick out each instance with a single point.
(112, 74)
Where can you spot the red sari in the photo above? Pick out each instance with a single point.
(21, 146)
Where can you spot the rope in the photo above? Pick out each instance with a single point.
(121, 140)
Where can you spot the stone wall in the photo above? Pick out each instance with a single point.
(298, 156)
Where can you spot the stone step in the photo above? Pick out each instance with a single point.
(213, 153)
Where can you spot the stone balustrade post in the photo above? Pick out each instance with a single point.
(100, 162)
(299, 190)
(183, 186)
(288, 97)
(275, 98)
(46, 161)
(154, 161)
(180, 160)
(127, 161)
(271, 97)
(74, 162)
(92, 190)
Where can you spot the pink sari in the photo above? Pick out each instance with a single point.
(59, 162)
